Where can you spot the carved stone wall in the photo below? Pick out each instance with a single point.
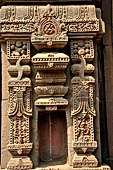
(50, 30)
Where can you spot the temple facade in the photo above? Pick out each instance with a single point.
(57, 80)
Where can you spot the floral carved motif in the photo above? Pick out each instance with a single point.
(18, 50)
(82, 48)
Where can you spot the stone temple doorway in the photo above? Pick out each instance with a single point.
(52, 137)
(39, 80)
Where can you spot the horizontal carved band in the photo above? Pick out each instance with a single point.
(51, 90)
(24, 82)
(68, 13)
(81, 147)
(55, 101)
(49, 23)
(50, 61)
(20, 149)
(50, 77)
(85, 161)
(20, 163)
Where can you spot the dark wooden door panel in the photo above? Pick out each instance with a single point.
(52, 136)
(44, 140)
(58, 135)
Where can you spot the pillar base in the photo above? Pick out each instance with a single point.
(67, 167)
(81, 161)
(20, 163)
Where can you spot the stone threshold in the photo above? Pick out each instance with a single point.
(67, 167)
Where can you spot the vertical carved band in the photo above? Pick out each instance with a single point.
(82, 110)
(19, 112)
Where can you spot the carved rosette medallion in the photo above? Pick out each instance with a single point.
(49, 26)
(18, 53)
(49, 31)
(82, 110)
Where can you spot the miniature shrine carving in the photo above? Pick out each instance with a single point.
(50, 52)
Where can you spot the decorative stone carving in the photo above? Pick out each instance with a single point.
(82, 48)
(51, 90)
(48, 64)
(50, 61)
(18, 50)
(19, 105)
(50, 31)
(69, 13)
(49, 27)
(51, 101)
(82, 109)
(85, 161)
(22, 163)
(50, 77)
(83, 112)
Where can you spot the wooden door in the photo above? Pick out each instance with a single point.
(52, 136)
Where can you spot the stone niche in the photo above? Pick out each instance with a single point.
(50, 115)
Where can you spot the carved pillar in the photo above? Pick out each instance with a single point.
(19, 112)
(82, 110)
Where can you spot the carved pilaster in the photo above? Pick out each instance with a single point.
(83, 110)
(19, 112)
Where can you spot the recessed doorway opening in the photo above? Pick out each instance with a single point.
(52, 137)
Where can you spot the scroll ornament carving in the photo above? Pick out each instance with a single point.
(19, 104)
(82, 110)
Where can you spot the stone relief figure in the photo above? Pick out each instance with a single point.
(84, 129)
